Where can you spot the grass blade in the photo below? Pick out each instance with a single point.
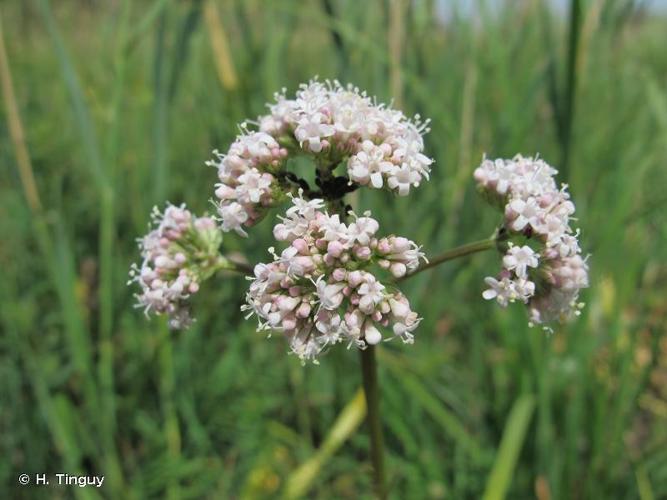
(16, 129)
(438, 412)
(300, 481)
(81, 115)
(224, 64)
(510, 446)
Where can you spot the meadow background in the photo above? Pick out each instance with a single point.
(121, 103)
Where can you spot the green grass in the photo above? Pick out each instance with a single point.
(121, 104)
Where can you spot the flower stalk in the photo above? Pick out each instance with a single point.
(235, 266)
(455, 253)
(372, 393)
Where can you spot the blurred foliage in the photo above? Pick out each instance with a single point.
(122, 102)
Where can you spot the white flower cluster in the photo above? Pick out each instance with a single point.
(319, 291)
(334, 124)
(178, 254)
(246, 182)
(537, 210)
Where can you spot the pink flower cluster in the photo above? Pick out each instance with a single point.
(536, 210)
(320, 290)
(178, 254)
(335, 125)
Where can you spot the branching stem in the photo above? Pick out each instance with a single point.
(455, 253)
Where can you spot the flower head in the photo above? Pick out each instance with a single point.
(178, 254)
(322, 290)
(335, 125)
(548, 278)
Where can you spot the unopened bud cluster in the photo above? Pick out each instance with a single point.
(537, 213)
(332, 124)
(178, 254)
(321, 289)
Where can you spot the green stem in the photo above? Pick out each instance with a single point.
(570, 86)
(241, 267)
(455, 253)
(224, 263)
(372, 393)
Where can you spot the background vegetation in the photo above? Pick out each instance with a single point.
(122, 102)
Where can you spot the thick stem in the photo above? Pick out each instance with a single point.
(372, 393)
(455, 253)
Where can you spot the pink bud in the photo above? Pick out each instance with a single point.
(172, 234)
(194, 287)
(372, 335)
(399, 308)
(234, 161)
(280, 232)
(398, 269)
(363, 253)
(304, 264)
(224, 192)
(301, 246)
(335, 248)
(355, 278)
(401, 244)
(286, 303)
(383, 246)
(304, 310)
(289, 322)
(339, 274)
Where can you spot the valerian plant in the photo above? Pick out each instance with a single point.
(336, 279)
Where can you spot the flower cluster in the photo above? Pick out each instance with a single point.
(335, 125)
(178, 254)
(536, 211)
(320, 290)
(247, 184)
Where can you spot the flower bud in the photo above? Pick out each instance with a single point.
(372, 335)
